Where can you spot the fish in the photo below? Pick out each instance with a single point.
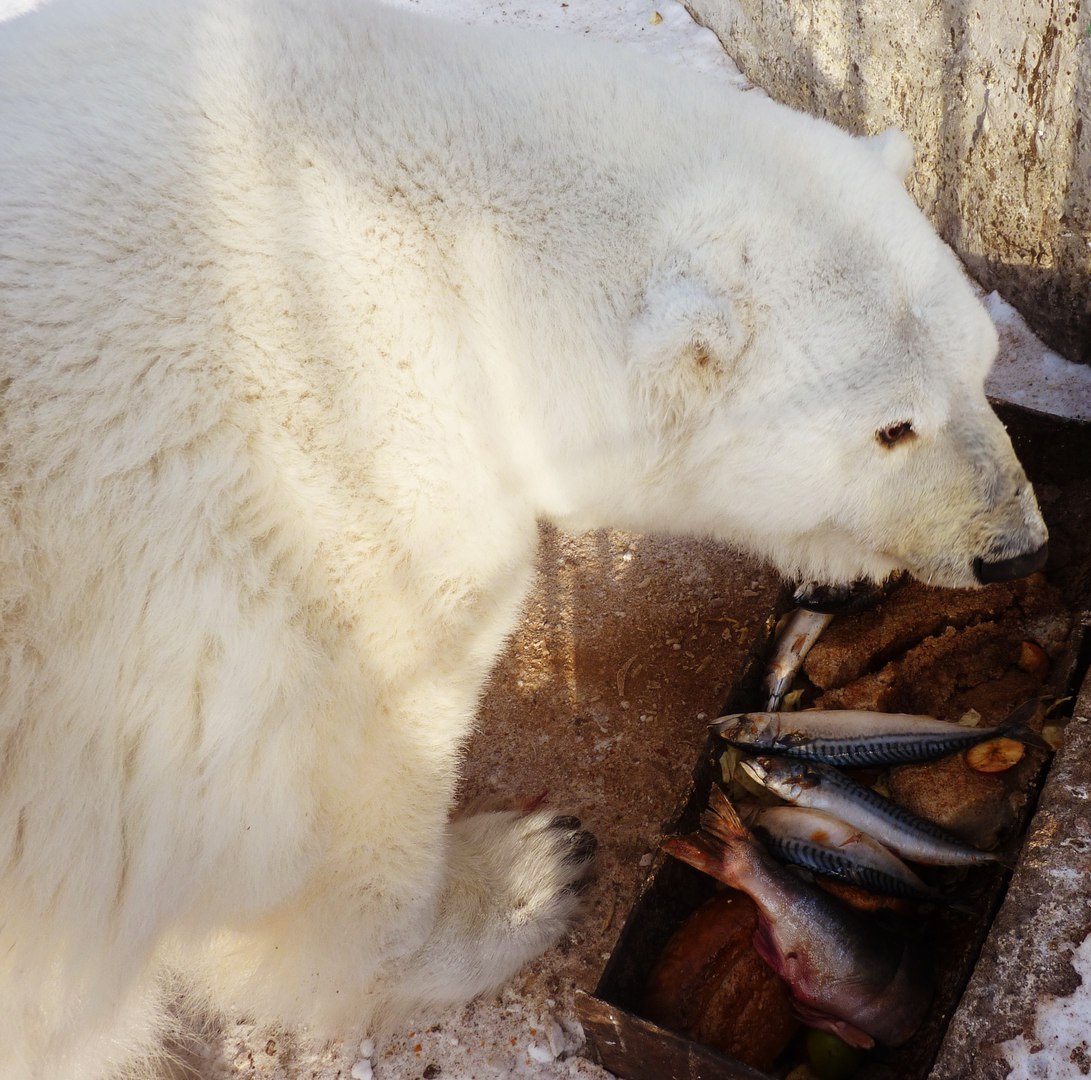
(848, 972)
(816, 786)
(802, 629)
(817, 605)
(860, 738)
(823, 844)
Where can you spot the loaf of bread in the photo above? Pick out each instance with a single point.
(712, 986)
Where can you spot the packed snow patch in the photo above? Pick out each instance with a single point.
(1027, 373)
(662, 28)
(1060, 1041)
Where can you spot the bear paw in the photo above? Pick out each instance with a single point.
(514, 887)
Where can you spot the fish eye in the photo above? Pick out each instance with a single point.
(892, 434)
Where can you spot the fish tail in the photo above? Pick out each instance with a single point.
(721, 820)
(964, 905)
(699, 851)
(1007, 855)
(1017, 725)
(714, 849)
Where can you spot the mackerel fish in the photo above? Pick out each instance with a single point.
(801, 630)
(860, 738)
(818, 787)
(823, 844)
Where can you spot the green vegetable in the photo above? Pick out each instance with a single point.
(831, 1058)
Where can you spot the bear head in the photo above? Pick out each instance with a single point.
(812, 359)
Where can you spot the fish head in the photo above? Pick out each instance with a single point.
(748, 729)
(810, 985)
(784, 777)
(890, 995)
(754, 769)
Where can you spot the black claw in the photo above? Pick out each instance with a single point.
(579, 887)
(569, 823)
(584, 846)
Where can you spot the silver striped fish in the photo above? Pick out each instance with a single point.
(801, 630)
(819, 787)
(859, 738)
(824, 844)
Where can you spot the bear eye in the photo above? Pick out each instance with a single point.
(894, 433)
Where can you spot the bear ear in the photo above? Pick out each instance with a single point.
(895, 152)
(685, 344)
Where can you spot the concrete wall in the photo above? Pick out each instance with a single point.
(996, 97)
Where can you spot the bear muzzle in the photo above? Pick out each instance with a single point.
(1017, 566)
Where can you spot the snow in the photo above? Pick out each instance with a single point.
(1061, 1032)
(541, 1054)
(362, 1070)
(661, 28)
(1027, 373)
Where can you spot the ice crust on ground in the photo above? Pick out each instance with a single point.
(1027, 373)
(662, 28)
(1059, 1047)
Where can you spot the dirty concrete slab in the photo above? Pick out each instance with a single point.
(995, 98)
(1027, 960)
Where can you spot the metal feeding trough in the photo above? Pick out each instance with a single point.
(1057, 457)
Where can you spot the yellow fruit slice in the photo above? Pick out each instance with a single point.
(996, 755)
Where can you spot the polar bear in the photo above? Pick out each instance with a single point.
(311, 311)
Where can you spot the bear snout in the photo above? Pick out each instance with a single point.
(990, 571)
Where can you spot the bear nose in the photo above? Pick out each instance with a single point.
(1009, 569)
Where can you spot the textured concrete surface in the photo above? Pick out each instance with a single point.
(994, 96)
(1028, 957)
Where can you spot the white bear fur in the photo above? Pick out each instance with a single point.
(310, 311)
